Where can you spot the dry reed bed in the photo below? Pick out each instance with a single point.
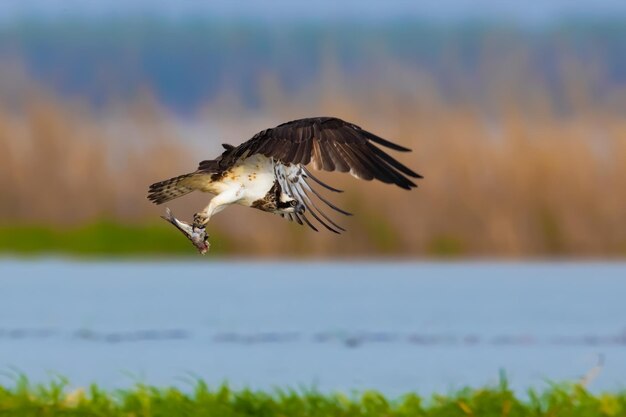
(521, 180)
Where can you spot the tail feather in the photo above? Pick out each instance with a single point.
(167, 190)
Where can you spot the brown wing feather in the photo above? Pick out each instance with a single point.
(330, 144)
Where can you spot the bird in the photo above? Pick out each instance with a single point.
(269, 171)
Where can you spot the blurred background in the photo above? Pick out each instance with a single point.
(516, 118)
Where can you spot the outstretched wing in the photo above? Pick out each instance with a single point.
(330, 144)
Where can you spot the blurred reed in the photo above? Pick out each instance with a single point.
(518, 173)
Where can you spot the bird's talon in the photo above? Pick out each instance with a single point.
(200, 220)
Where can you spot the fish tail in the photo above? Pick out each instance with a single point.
(168, 215)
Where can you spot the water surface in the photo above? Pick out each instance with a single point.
(395, 327)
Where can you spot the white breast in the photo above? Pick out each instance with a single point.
(254, 176)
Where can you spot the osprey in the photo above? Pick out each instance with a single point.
(268, 172)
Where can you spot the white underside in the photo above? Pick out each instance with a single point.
(250, 179)
(246, 182)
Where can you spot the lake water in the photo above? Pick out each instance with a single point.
(395, 327)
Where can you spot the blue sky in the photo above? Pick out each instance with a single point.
(318, 9)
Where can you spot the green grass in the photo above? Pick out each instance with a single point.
(446, 246)
(103, 238)
(24, 399)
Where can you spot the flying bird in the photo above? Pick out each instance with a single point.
(269, 173)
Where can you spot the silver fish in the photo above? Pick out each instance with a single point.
(197, 235)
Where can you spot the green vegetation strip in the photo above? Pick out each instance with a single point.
(101, 238)
(57, 399)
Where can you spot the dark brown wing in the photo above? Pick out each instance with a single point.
(330, 144)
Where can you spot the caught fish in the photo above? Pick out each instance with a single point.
(197, 235)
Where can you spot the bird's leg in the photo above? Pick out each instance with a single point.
(217, 204)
